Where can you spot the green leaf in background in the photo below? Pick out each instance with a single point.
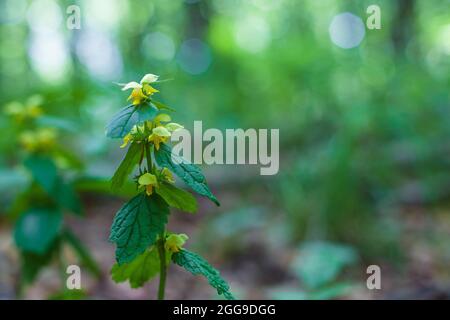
(31, 265)
(126, 166)
(122, 122)
(137, 224)
(140, 270)
(102, 185)
(196, 265)
(36, 230)
(319, 263)
(177, 198)
(67, 159)
(43, 170)
(82, 252)
(65, 196)
(189, 173)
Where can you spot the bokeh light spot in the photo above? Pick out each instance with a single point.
(194, 56)
(159, 46)
(347, 30)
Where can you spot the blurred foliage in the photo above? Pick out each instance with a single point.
(364, 132)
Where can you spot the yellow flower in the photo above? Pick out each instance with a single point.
(163, 117)
(175, 242)
(126, 140)
(137, 133)
(137, 95)
(28, 140)
(21, 112)
(14, 109)
(159, 134)
(41, 139)
(33, 106)
(148, 181)
(149, 78)
(172, 127)
(167, 175)
(149, 90)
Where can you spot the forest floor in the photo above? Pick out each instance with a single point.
(251, 274)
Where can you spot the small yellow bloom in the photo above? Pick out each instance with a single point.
(137, 96)
(175, 242)
(28, 140)
(41, 139)
(126, 140)
(149, 78)
(172, 127)
(159, 134)
(163, 117)
(33, 106)
(148, 181)
(34, 111)
(149, 90)
(167, 175)
(141, 91)
(21, 112)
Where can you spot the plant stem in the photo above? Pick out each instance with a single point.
(161, 241)
(149, 157)
(163, 267)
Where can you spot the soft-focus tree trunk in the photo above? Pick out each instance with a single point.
(403, 25)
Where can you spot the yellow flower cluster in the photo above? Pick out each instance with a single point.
(149, 181)
(30, 110)
(38, 140)
(174, 242)
(160, 130)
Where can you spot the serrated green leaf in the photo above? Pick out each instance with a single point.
(83, 254)
(196, 265)
(123, 121)
(177, 198)
(36, 230)
(43, 170)
(126, 166)
(189, 173)
(140, 270)
(137, 224)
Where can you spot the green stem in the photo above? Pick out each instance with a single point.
(149, 158)
(163, 267)
(161, 241)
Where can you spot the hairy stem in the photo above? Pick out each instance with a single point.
(161, 241)
(163, 267)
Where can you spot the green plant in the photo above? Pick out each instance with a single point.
(38, 209)
(144, 246)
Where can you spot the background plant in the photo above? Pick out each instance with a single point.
(38, 210)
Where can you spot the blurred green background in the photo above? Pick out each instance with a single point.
(364, 136)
